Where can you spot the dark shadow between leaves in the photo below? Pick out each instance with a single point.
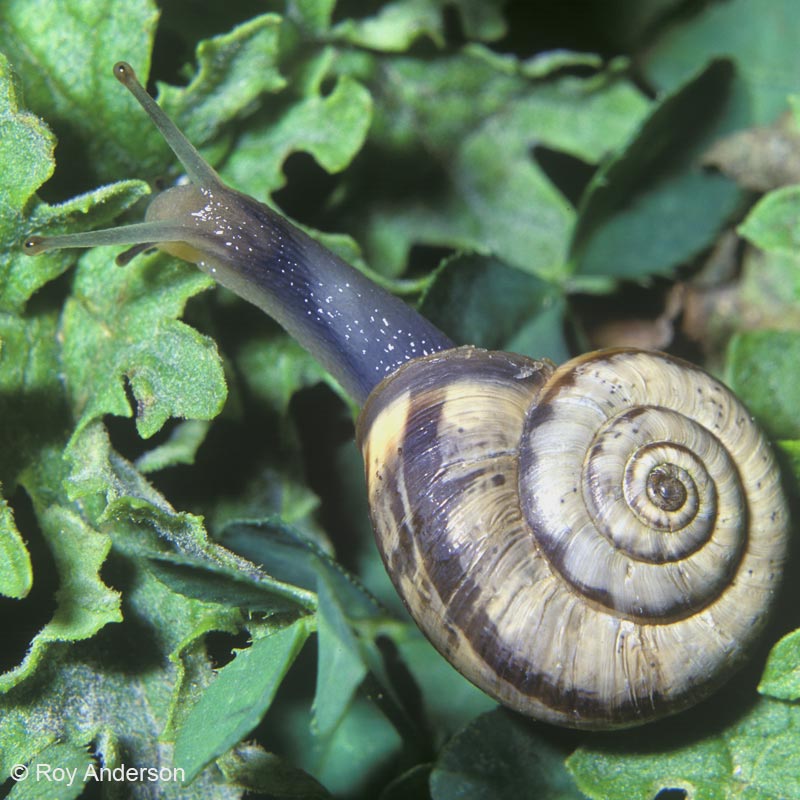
(570, 174)
(132, 646)
(297, 200)
(24, 618)
(220, 646)
(671, 794)
(414, 725)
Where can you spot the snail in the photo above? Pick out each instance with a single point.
(595, 545)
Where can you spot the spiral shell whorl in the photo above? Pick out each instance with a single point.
(537, 575)
(617, 428)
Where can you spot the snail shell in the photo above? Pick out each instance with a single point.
(596, 545)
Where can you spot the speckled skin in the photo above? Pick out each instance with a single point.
(484, 490)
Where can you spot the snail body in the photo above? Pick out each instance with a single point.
(595, 545)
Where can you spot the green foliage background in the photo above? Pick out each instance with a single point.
(187, 576)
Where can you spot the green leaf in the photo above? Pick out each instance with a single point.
(754, 757)
(756, 37)
(397, 25)
(482, 21)
(16, 576)
(29, 387)
(120, 689)
(26, 153)
(760, 369)
(138, 518)
(57, 774)
(270, 494)
(286, 554)
(349, 618)
(26, 149)
(115, 136)
(315, 15)
(781, 676)
(331, 128)
(481, 301)
(466, 109)
(120, 325)
(364, 746)
(218, 583)
(71, 84)
(31, 455)
(650, 209)
(241, 694)
(640, 241)
(180, 448)
(200, 573)
(341, 667)
(774, 222)
(266, 773)
(701, 771)
(100, 477)
(85, 603)
(276, 368)
(175, 627)
(233, 70)
(498, 756)
(790, 449)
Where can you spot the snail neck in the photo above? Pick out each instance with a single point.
(358, 331)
